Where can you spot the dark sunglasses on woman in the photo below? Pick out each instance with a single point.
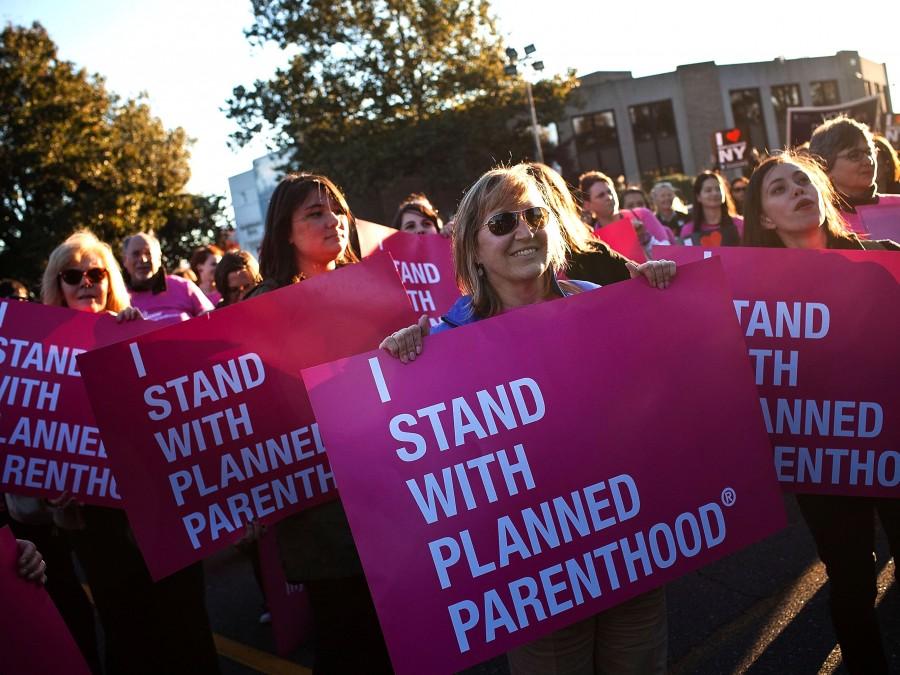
(73, 277)
(501, 224)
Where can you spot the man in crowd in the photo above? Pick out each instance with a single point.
(158, 295)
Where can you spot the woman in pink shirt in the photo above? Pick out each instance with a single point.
(601, 207)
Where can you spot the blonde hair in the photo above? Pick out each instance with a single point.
(497, 190)
(70, 252)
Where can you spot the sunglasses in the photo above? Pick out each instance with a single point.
(857, 154)
(73, 277)
(501, 224)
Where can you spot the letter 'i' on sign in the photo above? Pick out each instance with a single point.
(383, 392)
(3, 306)
(138, 361)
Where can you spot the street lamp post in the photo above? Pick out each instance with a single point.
(512, 69)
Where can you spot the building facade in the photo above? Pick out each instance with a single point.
(642, 128)
(250, 194)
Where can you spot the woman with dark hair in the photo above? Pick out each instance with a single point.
(847, 150)
(738, 191)
(416, 215)
(236, 275)
(310, 231)
(508, 245)
(790, 204)
(714, 222)
(634, 198)
(203, 264)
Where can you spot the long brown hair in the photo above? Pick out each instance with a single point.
(757, 235)
(277, 259)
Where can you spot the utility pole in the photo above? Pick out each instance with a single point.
(511, 69)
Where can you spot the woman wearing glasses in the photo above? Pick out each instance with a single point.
(508, 246)
(148, 627)
(848, 151)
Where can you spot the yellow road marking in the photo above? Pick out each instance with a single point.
(257, 659)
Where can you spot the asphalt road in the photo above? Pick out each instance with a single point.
(762, 610)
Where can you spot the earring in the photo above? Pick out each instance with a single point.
(480, 268)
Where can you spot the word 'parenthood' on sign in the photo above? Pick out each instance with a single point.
(510, 486)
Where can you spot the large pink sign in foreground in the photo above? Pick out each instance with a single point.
(423, 261)
(207, 422)
(822, 331)
(34, 637)
(514, 479)
(48, 439)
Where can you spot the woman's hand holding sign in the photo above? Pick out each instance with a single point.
(659, 273)
(406, 343)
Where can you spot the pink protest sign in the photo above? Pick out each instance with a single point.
(822, 329)
(514, 479)
(35, 638)
(883, 221)
(49, 442)
(288, 603)
(621, 237)
(207, 422)
(424, 263)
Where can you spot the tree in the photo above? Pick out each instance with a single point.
(72, 155)
(377, 91)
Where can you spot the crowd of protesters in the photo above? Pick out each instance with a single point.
(514, 232)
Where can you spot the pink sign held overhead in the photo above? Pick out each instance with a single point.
(515, 479)
(35, 638)
(822, 329)
(207, 422)
(621, 237)
(49, 442)
(423, 261)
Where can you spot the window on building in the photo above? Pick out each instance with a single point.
(746, 107)
(655, 139)
(597, 143)
(784, 96)
(824, 92)
(868, 86)
(877, 89)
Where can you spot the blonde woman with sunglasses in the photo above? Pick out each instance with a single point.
(169, 615)
(508, 245)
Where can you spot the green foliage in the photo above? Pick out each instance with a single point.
(73, 155)
(380, 91)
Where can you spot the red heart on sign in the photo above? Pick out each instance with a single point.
(733, 136)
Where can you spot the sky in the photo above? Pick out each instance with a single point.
(188, 55)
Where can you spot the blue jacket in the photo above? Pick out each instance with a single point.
(462, 313)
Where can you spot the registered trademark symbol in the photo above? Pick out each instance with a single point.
(729, 497)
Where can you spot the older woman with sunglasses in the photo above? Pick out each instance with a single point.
(848, 151)
(507, 247)
(149, 627)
